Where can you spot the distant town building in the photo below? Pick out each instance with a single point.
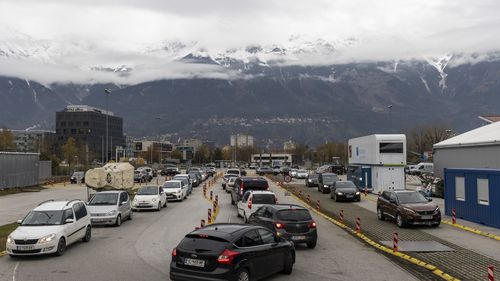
(195, 143)
(241, 140)
(289, 145)
(209, 144)
(87, 125)
(273, 159)
(32, 140)
(156, 149)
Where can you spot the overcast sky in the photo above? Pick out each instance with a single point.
(71, 37)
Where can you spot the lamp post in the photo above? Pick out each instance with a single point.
(107, 92)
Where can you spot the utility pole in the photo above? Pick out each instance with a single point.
(107, 92)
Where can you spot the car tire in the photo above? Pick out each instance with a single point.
(311, 245)
(399, 221)
(288, 266)
(336, 199)
(165, 205)
(243, 275)
(88, 234)
(232, 201)
(61, 246)
(118, 221)
(159, 207)
(380, 214)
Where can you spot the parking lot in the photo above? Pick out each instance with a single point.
(140, 249)
(467, 259)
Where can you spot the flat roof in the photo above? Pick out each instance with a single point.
(485, 135)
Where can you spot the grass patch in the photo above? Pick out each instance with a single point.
(9, 191)
(5, 230)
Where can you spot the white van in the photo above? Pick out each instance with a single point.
(424, 168)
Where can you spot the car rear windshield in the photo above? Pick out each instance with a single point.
(411, 197)
(263, 199)
(233, 172)
(255, 184)
(171, 185)
(103, 199)
(203, 243)
(294, 215)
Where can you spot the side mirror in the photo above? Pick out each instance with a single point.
(429, 199)
(69, 221)
(122, 203)
(19, 221)
(135, 192)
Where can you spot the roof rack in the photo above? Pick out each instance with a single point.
(72, 200)
(46, 201)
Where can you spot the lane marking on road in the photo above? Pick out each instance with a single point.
(472, 230)
(15, 271)
(415, 261)
(3, 253)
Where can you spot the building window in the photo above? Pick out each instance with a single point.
(483, 192)
(73, 131)
(85, 123)
(63, 124)
(70, 124)
(78, 123)
(460, 188)
(391, 147)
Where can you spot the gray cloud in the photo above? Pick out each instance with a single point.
(58, 40)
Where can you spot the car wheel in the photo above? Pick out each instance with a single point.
(336, 199)
(311, 245)
(159, 207)
(165, 205)
(288, 266)
(380, 214)
(61, 246)
(243, 275)
(118, 221)
(88, 234)
(399, 221)
(232, 201)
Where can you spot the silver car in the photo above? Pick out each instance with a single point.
(110, 208)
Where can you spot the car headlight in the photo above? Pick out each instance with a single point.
(326, 185)
(154, 200)
(47, 239)
(357, 192)
(10, 240)
(111, 213)
(436, 210)
(135, 199)
(340, 193)
(309, 180)
(409, 210)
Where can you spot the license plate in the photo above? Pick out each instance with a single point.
(349, 196)
(301, 237)
(428, 217)
(194, 262)
(25, 248)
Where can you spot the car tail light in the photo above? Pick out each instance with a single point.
(312, 224)
(249, 204)
(227, 257)
(279, 225)
(242, 186)
(174, 253)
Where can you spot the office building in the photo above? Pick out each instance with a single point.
(32, 140)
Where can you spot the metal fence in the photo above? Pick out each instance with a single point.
(45, 170)
(18, 169)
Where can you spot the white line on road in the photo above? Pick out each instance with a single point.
(15, 271)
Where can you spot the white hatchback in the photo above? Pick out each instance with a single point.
(253, 200)
(149, 197)
(50, 228)
(175, 190)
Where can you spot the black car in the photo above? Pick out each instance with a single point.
(77, 177)
(243, 184)
(289, 221)
(326, 181)
(196, 176)
(231, 252)
(170, 171)
(312, 180)
(345, 190)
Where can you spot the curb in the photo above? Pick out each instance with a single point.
(472, 230)
(378, 246)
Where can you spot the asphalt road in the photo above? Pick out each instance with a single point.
(140, 250)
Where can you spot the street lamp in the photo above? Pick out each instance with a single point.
(107, 92)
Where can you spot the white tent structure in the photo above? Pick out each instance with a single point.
(478, 148)
(111, 176)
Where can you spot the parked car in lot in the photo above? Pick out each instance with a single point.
(140, 176)
(252, 200)
(150, 173)
(408, 207)
(243, 184)
(301, 174)
(265, 170)
(345, 190)
(50, 228)
(175, 190)
(325, 182)
(293, 173)
(110, 208)
(253, 166)
(289, 221)
(312, 180)
(149, 197)
(276, 170)
(77, 177)
(231, 252)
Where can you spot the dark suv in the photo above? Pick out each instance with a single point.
(408, 208)
(243, 184)
(289, 221)
(231, 252)
(325, 181)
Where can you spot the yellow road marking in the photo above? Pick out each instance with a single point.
(473, 230)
